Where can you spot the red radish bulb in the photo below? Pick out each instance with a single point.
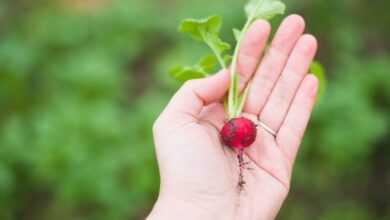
(239, 133)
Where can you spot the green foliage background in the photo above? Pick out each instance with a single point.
(81, 83)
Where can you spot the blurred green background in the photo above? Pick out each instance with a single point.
(81, 82)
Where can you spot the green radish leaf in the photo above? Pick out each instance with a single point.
(216, 44)
(264, 9)
(207, 30)
(183, 74)
(237, 34)
(195, 27)
(205, 66)
(207, 63)
(227, 59)
(318, 70)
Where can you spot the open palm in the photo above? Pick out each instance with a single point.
(199, 175)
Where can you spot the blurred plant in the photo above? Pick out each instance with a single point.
(79, 90)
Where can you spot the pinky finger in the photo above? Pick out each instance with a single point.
(293, 128)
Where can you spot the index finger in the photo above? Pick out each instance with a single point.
(251, 49)
(293, 128)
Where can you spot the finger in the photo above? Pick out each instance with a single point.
(251, 49)
(187, 103)
(286, 87)
(266, 155)
(291, 132)
(273, 63)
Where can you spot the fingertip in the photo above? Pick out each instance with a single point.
(288, 33)
(223, 76)
(261, 25)
(312, 79)
(295, 19)
(212, 87)
(292, 25)
(306, 47)
(310, 41)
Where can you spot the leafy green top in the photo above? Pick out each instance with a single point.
(207, 30)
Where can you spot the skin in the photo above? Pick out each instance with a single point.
(199, 175)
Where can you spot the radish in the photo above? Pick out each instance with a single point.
(238, 133)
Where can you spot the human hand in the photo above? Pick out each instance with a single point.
(199, 175)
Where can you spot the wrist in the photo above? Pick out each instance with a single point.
(169, 209)
(172, 206)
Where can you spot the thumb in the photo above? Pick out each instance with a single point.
(187, 103)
